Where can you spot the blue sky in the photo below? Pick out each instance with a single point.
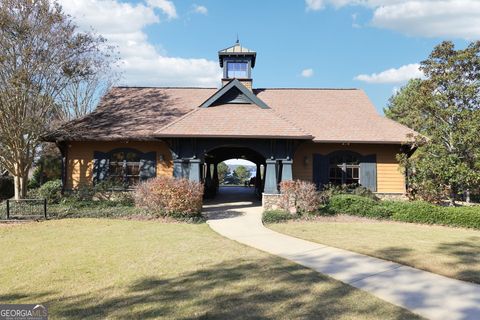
(374, 45)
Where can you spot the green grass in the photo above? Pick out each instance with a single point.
(447, 251)
(103, 268)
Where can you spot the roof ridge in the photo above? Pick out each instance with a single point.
(162, 87)
(298, 88)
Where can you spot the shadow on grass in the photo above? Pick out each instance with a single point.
(467, 254)
(263, 289)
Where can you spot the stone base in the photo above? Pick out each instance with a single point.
(270, 201)
(391, 196)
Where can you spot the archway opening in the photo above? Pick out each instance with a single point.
(232, 171)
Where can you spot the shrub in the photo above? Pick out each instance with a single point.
(6, 188)
(299, 197)
(275, 216)
(168, 196)
(364, 192)
(359, 206)
(52, 191)
(330, 190)
(415, 212)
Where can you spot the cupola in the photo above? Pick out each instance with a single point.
(237, 63)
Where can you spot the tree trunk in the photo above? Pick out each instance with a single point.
(467, 196)
(20, 184)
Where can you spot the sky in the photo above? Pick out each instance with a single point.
(374, 45)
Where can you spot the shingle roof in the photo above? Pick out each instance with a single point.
(233, 120)
(328, 115)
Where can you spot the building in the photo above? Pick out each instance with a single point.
(321, 135)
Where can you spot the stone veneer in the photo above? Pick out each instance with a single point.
(270, 201)
(391, 196)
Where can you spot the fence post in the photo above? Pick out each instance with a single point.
(8, 209)
(45, 208)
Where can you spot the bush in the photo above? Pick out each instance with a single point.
(415, 212)
(299, 197)
(275, 216)
(168, 196)
(6, 188)
(331, 190)
(358, 206)
(52, 191)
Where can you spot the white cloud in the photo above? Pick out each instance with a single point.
(314, 5)
(399, 75)
(307, 73)
(141, 61)
(200, 9)
(426, 18)
(166, 6)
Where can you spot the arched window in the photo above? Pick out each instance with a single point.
(344, 168)
(124, 167)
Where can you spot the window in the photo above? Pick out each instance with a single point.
(237, 70)
(124, 168)
(344, 169)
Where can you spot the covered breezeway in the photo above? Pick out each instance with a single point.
(197, 159)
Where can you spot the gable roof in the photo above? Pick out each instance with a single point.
(324, 115)
(233, 121)
(231, 86)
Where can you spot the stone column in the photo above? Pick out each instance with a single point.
(287, 170)
(271, 177)
(194, 174)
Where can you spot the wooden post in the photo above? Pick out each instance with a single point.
(45, 208)
(271, 177)
(287, 170)
(8, 209)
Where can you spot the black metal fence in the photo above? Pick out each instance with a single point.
(26, 209)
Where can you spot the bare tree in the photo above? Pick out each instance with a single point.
(42, 53)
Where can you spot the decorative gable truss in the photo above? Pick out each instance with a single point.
(234, 92)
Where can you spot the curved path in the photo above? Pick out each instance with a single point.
(237, 217)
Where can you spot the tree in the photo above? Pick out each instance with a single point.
(223, 171)
(445, 107)
(42, 53)
(242, 173)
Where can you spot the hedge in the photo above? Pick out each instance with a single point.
(416, 211)
(275, 216)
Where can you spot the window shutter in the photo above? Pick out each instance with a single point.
(320, 170)
(101, 162)
(368, 172)
(148, 166)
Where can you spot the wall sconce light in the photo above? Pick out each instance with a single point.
(306, 160)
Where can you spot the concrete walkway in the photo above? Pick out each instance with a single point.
(430, 295)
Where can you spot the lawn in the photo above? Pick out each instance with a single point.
(103, 268)
(452, 252)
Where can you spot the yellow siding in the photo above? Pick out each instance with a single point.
(390, 179)
(80, 158)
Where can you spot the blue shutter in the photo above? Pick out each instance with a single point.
(368, 172)
(101, 162)
(148, 166)
(320, 170)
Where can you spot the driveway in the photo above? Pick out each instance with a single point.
(236, 215)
